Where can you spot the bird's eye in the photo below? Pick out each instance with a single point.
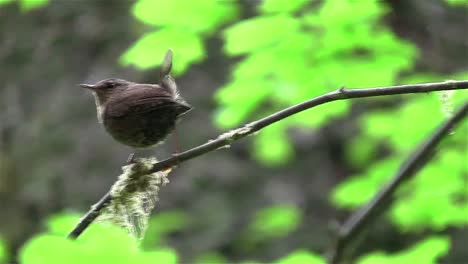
(110, 85)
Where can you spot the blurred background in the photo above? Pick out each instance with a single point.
(273, 197)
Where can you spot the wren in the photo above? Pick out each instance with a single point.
(139, 115)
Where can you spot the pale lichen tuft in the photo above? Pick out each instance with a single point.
(134, 196)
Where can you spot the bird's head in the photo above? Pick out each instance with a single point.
(105, 88)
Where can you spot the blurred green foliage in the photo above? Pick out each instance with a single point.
(26, 5)
(3, 251)
(105, 244)
(181, 26)
(99, 244)
(457, 2)
(3, 2)
(162, 224)
(334, 44)
(268, 224)
(102, 243)
(275, 221)
(301, 257)
(427, 252)
(437, 197)
(149, 50)
(285, 6)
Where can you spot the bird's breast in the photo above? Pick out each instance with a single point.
(140, 129)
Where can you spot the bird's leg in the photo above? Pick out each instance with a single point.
(131, 158)
(176, 145)
(176, 142)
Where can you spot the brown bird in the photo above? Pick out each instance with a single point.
(139, 115)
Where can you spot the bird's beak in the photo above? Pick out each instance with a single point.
(87, 86)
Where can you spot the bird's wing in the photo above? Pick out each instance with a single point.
(138, 100)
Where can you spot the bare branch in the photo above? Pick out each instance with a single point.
(363, 217)
(234, 135)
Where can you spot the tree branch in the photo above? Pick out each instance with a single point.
(234, 135)
(357, 222)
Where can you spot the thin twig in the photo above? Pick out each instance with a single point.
(363, 217)
(234, 135)
(90, 216)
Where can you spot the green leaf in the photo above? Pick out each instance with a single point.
(266, 31)
(361, 188)
(434, 201)
(236, 107)
(163, 223)
(360, 151)
(51, 249)
(150, 49)
(61, 224)
(4, 2)
(427, 252)
(397, 127)
(457, 2)
(319, 49)
(3, 251)
(348, 12)
(434, 198)
(318, 116)
(281, 6)
(272, 147)
(99, 244)
(201, 16)
(275, 221)
(301, 257)
(28, 5)
(166, 256)
(255, 66)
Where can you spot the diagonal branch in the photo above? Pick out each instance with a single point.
(250, 128)
(363, 217)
